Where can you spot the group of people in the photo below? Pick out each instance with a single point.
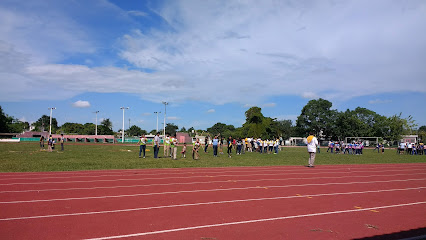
(354, 148)
(51, 142)
(411, 148)
(170, 146)
(242, 145)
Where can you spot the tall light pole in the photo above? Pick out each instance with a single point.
(96, 125)
(50, 127)
(157, 120)
(122, 130)
(164, 129)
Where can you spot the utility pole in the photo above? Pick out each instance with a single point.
(96, 125)
(50, 126)
(122, 130)
(157, 120)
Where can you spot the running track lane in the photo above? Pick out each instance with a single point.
(184, 218)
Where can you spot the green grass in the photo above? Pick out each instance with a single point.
(25, 157)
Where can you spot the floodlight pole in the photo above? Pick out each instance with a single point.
(122, 130)
(50, 126)
(157, 120)
(96, 125)
(164, 127)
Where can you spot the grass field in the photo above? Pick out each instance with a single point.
(25, 157)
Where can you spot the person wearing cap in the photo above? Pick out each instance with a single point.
(312, 144)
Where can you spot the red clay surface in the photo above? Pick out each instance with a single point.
(283, 202)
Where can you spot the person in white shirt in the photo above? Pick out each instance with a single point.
(312, 144)
(156, 144)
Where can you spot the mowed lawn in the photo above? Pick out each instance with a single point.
(25, 157)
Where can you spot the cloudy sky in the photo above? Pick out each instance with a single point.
(211, 60)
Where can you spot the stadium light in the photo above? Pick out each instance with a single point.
(50, 126)
(164, 127)
(122, 130)
(96, 125)
(157, 121)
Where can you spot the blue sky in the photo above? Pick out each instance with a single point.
(211, 60)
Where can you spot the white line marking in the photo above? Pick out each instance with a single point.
(183, 170)
(207, 182)
(206, 190)
(255, 221)
(136, 172)
(189, 177)
(206, 203)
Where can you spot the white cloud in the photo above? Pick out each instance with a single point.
(81, 104)
(137, 13)
(266, 105)
(173, 118)
(335, 50)
(379, 101)
(211, 111)
(309, 95)
(146, 114)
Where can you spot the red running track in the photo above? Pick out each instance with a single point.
(283, 202)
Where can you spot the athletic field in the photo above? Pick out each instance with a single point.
(283, 201)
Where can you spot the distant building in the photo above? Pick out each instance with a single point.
(410, 138)
(183, 137)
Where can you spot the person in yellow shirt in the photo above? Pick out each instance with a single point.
(142, 145)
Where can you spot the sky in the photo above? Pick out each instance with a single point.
(210, 60)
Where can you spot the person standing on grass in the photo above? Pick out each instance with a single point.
(166, 143)
(174, 147)
(215, 142)
(183, 150)
(50, 143)
(312, 144)
(195, 148)
(41, 143)
(142, 145)
(221, 145)
(230, 147)
(156, 144)
(206, 144)
(62, 142)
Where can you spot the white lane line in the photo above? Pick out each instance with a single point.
(198, 170)
(199, 176)
(207, 203)
(205, 190)
(206, 182)
(255, 221)
(179, 173)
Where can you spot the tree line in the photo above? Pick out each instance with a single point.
(317, 116)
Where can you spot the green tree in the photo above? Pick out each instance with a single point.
(422, 133)
(153, 132)
(171, 129)
(42, 124)
(106, 127)
(89, 129)
(317, 116)
(18, 126)
(3, 122)
(221, 128)
(284, 128)
(183, 129)
(254, 125)
(135, 131)
(72, 128)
